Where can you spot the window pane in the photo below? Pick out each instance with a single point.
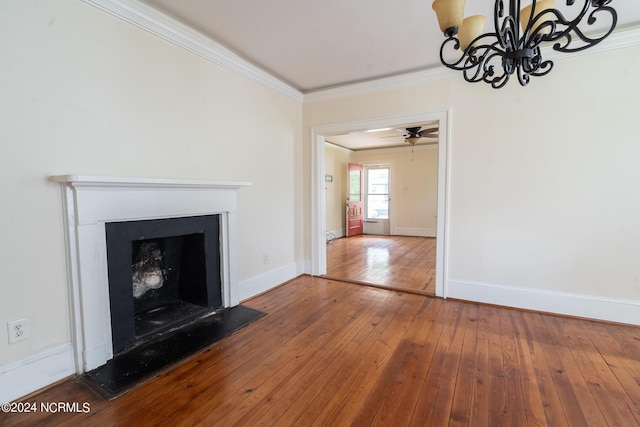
(378, 206)
(378, 181)
(354, 185)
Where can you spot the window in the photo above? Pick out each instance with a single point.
(377, 195)
(354, 185)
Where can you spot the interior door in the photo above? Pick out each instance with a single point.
(354, 201)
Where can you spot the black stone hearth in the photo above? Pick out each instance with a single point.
(165, 295)
(148, 359)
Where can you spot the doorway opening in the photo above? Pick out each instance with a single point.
(382, 249)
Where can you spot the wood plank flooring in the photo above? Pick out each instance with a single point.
(330, 353)
(397, 262)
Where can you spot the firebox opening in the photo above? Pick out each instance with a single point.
(163, 274)
(168, 281)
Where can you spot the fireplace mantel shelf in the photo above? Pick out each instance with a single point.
(116, 181)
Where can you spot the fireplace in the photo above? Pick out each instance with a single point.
(201, 219)
(163, 274)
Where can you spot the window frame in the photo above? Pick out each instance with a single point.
(366, 192)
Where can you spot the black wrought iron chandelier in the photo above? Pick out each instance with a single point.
(514, 47)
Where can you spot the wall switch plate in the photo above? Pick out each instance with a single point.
(18, 330)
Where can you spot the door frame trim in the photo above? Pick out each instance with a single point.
(318, 201)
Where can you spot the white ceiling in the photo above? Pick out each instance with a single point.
(313, 45)
(380, 138)
(318, 44)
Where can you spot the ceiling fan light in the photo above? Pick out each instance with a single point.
(541, 5)
(413, 140)
(450, 14)
(471, 28)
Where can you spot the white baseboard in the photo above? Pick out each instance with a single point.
(336, 234)
(587, 306)
(25, 376)
(420, 232)
(265, 281)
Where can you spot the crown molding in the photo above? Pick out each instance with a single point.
(159, 24)
(149, 19)
(371, 86)
(625, 37)
(339, 147)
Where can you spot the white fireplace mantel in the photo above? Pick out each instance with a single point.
(134, 182)
(92, 201)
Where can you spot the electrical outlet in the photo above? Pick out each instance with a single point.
(18, 330)
(265, 258)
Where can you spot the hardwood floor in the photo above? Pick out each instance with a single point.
(330, 353)
(399, 262)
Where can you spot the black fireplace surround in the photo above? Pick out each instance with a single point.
(163, 273)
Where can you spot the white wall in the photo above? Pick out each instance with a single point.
(414, 183)
(543, 183)
(336, 160)
(414, 189)
(86, 93)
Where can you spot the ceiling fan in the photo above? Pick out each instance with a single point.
(414, 134)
